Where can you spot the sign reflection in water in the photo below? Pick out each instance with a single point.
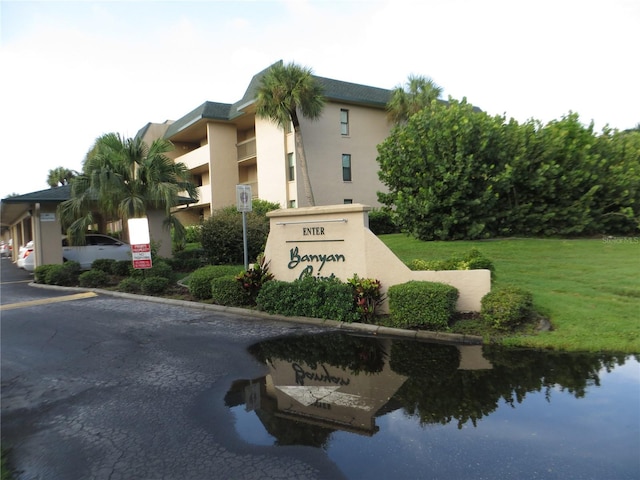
(386, 408)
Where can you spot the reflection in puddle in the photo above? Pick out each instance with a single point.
(517, 411)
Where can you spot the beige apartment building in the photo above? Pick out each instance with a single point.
(225, 145)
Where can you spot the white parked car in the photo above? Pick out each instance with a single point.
(25, 252)
(97, 246)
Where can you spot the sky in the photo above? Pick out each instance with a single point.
(71, 71)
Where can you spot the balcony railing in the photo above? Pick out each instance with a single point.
(246, 149)
(195, 158)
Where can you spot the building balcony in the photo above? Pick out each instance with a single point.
(196, 158)
(246, 150)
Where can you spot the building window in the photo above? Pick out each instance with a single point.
(346, 167)
(197, 180)
(292, 167)
(344, 121)
(348, 201)
(292, 204)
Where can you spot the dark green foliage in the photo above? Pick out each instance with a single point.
(41, 272)
(381, 221)
(130, 285)
(103, 264)
(200, 280)
(352, 353)
(422, 304)
(455, 173)
(65, 275)
(192, 234)
(154, 285)
(472, 260)
(122, 268)
(262, 207)
(228, 291)
(159, 268)
(309, 297)
(222, 236)
(506, 307)
(94, 278)
(187, 260)
(251, 280)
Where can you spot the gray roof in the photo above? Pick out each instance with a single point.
(336, 90)
(55, 194)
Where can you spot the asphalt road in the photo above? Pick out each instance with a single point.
(102, 387)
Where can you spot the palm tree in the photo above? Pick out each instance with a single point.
(284, 91)
(415, 95)
(121, 178)
(60, 176)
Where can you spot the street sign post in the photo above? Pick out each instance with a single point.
(244, 204)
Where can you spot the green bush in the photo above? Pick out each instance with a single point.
(160, 268)
(309, 297)
(506, 307)
(122, 268)
(93, 278)
(228, 291)
(64, 275)
(222, 236)
(103, 264)
(472, 260)
(381, 221)
(192, 233)
(422, 304)
(366, 296)
(188, 260)
(40, 273)
(130, 285)
(154, 285)
(200, 280)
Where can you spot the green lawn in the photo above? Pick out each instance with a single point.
(589, 289)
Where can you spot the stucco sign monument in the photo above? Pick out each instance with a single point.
(336, 241)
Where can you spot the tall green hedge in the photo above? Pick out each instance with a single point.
(422, 304)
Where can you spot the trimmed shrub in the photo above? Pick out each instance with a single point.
(472, 260)
(200, 280)
(130, 285)
(381, 221)
(154, 285)
(506, 307)
(228, 291)
(422, 304)
(122, 268)
(160, 268)
(41, 272)
(103, 264)
(222, 236)
(93, 278)
(187, 260)
(65, 275)
(309, 297)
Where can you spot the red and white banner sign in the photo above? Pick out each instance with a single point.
(141, 255)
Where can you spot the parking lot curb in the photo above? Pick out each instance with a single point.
(377, 330)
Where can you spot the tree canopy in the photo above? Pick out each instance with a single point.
(121, 178)
(408, 99)
(456, 173)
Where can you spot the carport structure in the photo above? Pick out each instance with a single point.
(33, 216)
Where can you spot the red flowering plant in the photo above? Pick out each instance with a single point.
(366, 296)
(252, 279)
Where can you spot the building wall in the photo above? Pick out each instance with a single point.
(223, 163)
(272, 163)
(324, 146)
